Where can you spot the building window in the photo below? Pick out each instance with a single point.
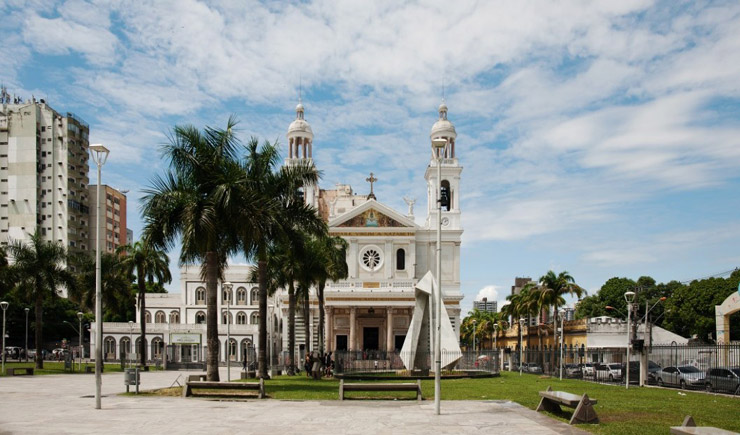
(110, 348)
(174, 317)
(157, 347)
(241, 318)
(241, 296)
(232, 350)
(371, 258)
(160, 317)
(200, 317)
(448, 192)
(401, 259)
(254, 318)
(226, 318)
(254, 295)
(226, 296)
(200, 296)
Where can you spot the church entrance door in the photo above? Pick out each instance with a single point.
(370, 338)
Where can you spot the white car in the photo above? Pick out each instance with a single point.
(588, 370)
(611, 372)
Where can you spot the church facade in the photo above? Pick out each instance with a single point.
(388, 253)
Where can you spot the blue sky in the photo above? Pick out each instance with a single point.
(601, 138)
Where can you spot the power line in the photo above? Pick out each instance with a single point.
(716, 275)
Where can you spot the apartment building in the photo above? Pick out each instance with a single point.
(113, 232)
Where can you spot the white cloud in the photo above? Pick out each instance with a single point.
(490, 292)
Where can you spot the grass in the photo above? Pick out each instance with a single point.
(57, 368)
(621, 411)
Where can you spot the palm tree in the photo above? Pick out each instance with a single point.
(115, 285)
(39, 267)
(552, 289)
(286, 210)
(197, 201)
(149, 263)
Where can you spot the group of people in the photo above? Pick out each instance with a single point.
(317, 365)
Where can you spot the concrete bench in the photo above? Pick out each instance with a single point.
(91, 369)
(190, 386)
(198, 377)
(376, 386)
(19, 371)
(690, 427)
(584, 410)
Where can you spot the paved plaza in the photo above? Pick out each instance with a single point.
(65, 404)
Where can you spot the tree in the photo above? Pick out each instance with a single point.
(285, 210)
(39, 267)
(149, 264)
(198, 201)
(331, 253)
(552, 289)
(115, 286)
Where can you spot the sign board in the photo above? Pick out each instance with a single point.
(185, 338)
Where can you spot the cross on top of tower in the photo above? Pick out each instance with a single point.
(371, 180)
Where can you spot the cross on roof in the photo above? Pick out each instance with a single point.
(371, 180)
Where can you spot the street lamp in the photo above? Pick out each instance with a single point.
(629, 297)
(100, 156)
(227, 292)
(270, 332)
(130, 343)
(4, 306)
(521, 343)
(474, 322)
(562, 341)
(438, 144)
(82, 348)
(27, 310)
(495, 336)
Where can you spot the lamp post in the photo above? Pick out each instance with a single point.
(270, 332)
(474, 351)
(27, 310)
(438, 144)
(521, 344)
(82, 348)
(629, 297)
(100, 155)
(495, 336)
(562, 341)
(4, 306)
(227, 292)
(130, 343)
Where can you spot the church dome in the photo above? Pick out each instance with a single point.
(443, 127)
(300, 127)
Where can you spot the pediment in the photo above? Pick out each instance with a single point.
(372, 214)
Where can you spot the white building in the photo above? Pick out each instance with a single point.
(43, 174)
(370, 310)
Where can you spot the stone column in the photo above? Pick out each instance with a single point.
(389, 331)
(329, 336)
(352, 319)
(310, 149)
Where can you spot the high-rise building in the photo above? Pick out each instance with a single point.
(43, 174)
(486, 305)
(113, 232)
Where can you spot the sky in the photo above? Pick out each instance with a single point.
(599, 138)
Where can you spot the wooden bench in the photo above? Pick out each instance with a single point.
(190, 386)
(690, 427)
(19, 371)
(375, 386)
(584, 410)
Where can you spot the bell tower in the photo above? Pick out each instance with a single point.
(451, 169)
(300, 149)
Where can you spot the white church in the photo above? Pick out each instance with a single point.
(388, 253)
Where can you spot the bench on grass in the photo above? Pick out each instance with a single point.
(375, 386)
(191, 386)
(198, 377)
(584, 410)
(690, 427)
(19, 371)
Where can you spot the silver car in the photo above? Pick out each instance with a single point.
(682, 376)
(723, 379)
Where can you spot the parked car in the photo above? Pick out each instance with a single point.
(702, 363)
(588, 370)
(573, 370)
(682, 376)
(533, 368)
(723, 379)
(611, 372)
(31, 353)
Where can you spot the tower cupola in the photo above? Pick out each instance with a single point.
(300, 136)
(443, 128)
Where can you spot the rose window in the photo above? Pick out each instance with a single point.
(371, 258)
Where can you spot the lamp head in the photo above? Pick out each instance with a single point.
(609, 307)
(438, 143)
(130, 323)
(79, 314)
(522, 320)
(4, 305)
(26, 310)
(495, 326)
(663, 298)
(629, 297)
(99, 153)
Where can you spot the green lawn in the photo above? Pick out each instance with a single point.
(622, 411)
(57, 368)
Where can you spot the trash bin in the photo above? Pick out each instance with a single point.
(131, 377)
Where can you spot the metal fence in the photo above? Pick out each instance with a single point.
(710, 367)
(391, 363)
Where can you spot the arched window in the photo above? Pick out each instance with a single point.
(231, 348)
(200, 296)
(137, 349)
(241, 296)
(254, 296)
(226, 318)
(157, 348)
(110, 348)
(241, 318)
(254, 318)
(446, 190)
(148, 317)
(247, 351)
(174, 317)
(226, 296)
(200, 317)
(401, 259)
(125, 348)
(160, 317)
